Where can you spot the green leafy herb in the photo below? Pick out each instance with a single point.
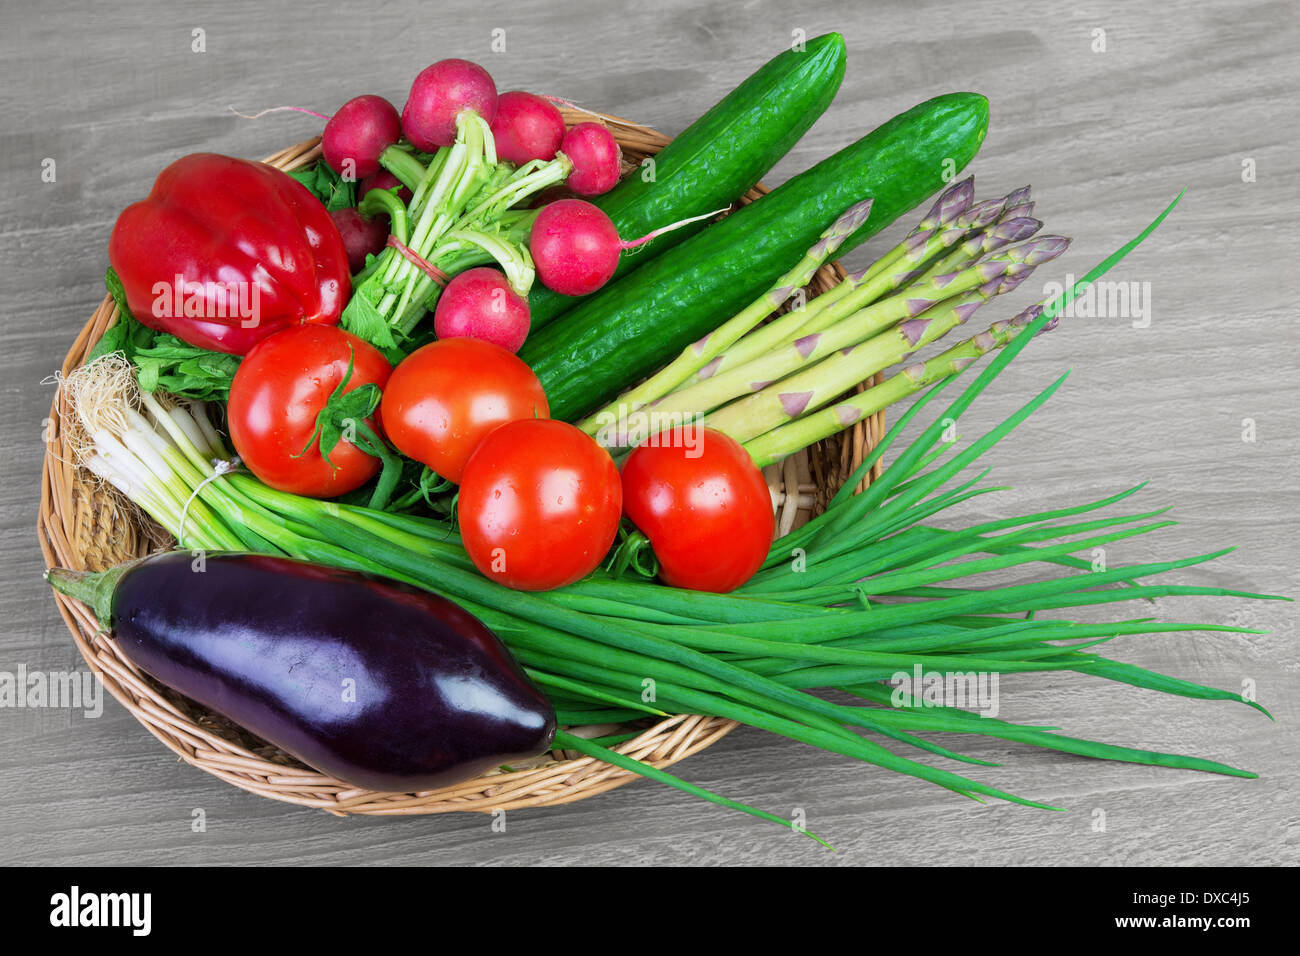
(165, 362)
(363, 319)
(329, 187)
(127, 335)
(344, 416)
(183, 369)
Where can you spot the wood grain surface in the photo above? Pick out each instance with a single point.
(1184, 93)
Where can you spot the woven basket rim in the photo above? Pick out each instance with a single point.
(70, 502)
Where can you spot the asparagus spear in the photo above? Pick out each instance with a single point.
(699, 354)
(820, 382)
(984, 240)
(932, 234)
(1009, 262)
(974, 232)
(802, 432)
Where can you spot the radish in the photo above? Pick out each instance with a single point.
(526, 127)
(354, 136)
(442, 92)
(362, 235)
(597, 160)
(382, 180)
(575, 246)
(479, 304)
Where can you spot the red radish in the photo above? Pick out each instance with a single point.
(442, 92)
(382, 180)
(526, 127)
(575, 246)
(362, 235)
(354, 137)
(597, 160)
(479, 304)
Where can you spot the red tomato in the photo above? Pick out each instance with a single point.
(539, 505)
(445, 397)
(281, 386)
(703, 503)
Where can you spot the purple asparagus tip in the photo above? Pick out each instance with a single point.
(1004, 233)
(956, 199)
(1036, 251)
(1012, 281)
(710, 369)
(1017, 196)
(805, 344)
(795, 402)
(1015, 212)
(915, 307)
(950, 204)
(966, 309)
(1004, 284)
(852, 218)
(1013, 230)
(914, 244)
(958, 364)
(983, 213)
(915, 373)
(847, 414)
(913, 329)
(1028, 316)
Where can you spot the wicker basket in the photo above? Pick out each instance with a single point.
(85, 525)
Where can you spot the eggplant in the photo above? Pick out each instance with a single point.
(376, 682)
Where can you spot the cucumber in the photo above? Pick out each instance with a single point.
(718, 158)
(628, 329)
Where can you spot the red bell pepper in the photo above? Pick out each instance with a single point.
(225, 252)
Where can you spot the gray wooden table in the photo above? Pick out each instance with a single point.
(1108, 110)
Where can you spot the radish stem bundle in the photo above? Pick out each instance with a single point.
(459, 215)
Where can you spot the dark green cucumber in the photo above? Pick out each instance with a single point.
(718, 158)
(628, 329)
